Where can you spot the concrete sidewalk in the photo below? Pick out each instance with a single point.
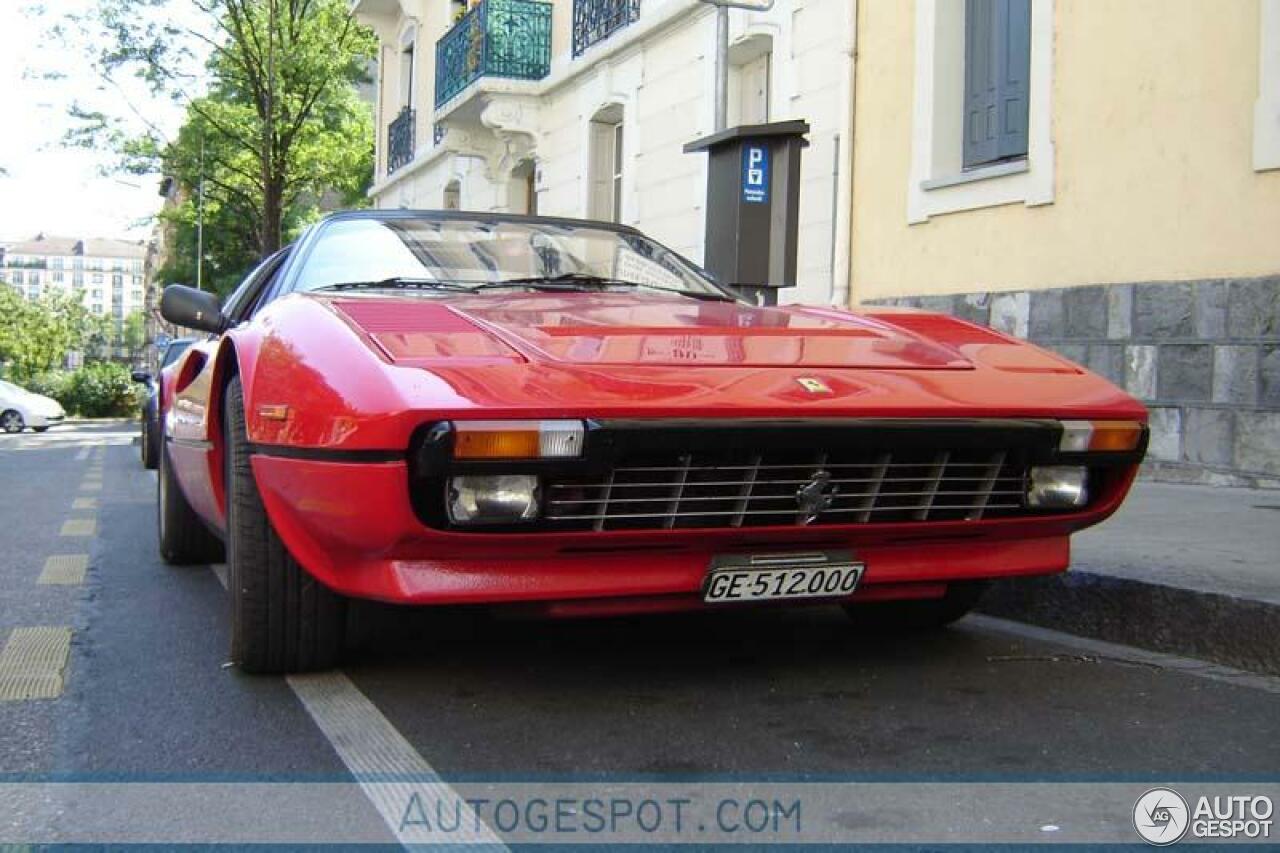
(1191, 570)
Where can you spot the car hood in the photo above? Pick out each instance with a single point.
(41, 403)
(632, 356)
(631, 329)
(32, 402)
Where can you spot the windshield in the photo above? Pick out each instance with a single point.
(175, 349)
(475, 252)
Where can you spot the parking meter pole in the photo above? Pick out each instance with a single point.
(722, 67)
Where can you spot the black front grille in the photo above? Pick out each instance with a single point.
(738, 488)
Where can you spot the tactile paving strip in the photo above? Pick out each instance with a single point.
(79, 527)
(32, 663)
(64, 569)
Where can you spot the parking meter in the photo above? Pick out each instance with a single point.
(753, 205)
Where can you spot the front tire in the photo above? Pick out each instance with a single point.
(11, 421)
(917, 616)
(40, 429)
(282, 618)
(184, 539)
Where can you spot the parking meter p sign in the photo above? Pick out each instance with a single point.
(755, 174)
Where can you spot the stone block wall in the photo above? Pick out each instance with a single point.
(1204, 356)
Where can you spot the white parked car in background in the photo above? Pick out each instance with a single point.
(19, 409)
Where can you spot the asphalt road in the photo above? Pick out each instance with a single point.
(147, 692)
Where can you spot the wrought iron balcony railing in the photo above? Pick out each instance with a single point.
(497, 38)
(400, 142)
(596, 20)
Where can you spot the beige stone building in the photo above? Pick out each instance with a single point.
(1102, 176)
(581, 108)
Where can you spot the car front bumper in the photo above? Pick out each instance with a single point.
(38, 420)
(350, 525)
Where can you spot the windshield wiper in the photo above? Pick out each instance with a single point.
(565, 281)
(582, 281)
(400, 283)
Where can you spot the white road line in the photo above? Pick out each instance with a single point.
(385, 765)
(1129, 654)
(83, 454)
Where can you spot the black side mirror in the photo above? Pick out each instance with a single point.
(141, 376)
(195, 309)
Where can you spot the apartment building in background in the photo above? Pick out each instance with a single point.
(108, 275)
(581, 108)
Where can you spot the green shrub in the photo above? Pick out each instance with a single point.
(51, 383)
(101, 390)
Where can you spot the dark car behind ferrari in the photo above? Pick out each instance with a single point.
(150, 445)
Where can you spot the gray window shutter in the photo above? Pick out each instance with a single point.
(1014, 31)
(980, 90)
(997, 67)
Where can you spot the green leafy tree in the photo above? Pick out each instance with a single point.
(36, 335)
(134, 334)
(278, 126)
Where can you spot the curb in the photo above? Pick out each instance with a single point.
(1238, 632)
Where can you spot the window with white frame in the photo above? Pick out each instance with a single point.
(983, 86)
(751, 80)
(408, 46)
(606, 166)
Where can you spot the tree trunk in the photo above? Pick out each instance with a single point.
(272, 215)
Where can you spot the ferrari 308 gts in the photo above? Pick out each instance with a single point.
(453, 408)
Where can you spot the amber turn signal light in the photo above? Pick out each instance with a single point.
(1100, 436)
(517, 439)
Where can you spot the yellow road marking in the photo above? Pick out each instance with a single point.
(64, 570)
(32, 663)
(84, 503)
(79, 527)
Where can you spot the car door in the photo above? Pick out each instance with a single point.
(190, 418)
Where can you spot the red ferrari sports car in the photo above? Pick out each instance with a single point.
(430, 408)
